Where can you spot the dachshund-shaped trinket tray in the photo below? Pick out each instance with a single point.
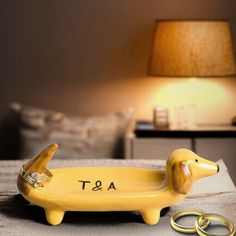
(142, 190)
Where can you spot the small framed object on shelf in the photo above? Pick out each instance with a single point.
(160, 117)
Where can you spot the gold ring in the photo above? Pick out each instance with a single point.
(215, 217)
(187, 212)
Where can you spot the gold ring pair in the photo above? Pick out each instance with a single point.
(201, 222)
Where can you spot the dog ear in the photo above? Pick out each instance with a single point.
(182, 177)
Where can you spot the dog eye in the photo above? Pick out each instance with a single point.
(196, 160)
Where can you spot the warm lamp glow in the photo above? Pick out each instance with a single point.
(214, 101)
(192, 49)
(195, 91)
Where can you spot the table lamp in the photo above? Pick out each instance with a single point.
(196, 48)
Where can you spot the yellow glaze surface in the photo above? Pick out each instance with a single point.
(146, 191)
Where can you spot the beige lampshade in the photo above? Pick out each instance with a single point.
(192, 49)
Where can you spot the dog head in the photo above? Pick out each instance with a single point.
(184, 167)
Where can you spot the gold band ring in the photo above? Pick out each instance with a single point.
(186, 212)
(215, 217)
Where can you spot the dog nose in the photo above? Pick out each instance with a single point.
(218, 168)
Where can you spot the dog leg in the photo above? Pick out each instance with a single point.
(150, 216)
(54, 216)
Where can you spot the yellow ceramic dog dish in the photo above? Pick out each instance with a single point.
(142, 190)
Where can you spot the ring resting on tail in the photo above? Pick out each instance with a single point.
(142, 190)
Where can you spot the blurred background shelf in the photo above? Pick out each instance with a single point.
(146, 129)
